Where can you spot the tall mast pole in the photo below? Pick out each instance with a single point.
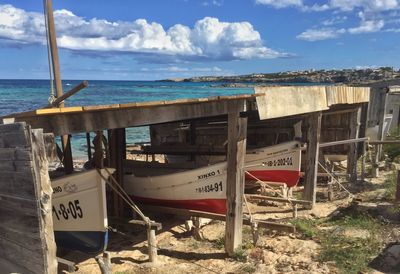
(65, 139)
(53, 49)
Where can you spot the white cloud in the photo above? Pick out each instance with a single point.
(334, 20)
(366, 5)
(279, 4)
(342, 5)
(365, 67)
(320, 34)
(173, 69)
(209, 39)
(217, 3)
(367, 26)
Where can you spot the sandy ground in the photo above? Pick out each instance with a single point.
(180, 252)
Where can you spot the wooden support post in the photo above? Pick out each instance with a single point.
(152, 244)
(104, 262)
(313, 123)
(89, 146)
(237, 131)
(117, 148)
(295, 207)
(382, 114)
(352, 156)
(363, 127)
(98, 154)
(363, 159)
(397, 198)
(67, 154)
(197, 228)
(65, 139)
(193, 138)
(375, 162)
(255, 233)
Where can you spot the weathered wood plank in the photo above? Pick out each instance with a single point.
(18, 184)
(313, 123)
(18, 154)
(117, 148)
(12, 140)
(44, 193)
(20, 256)
(352, 156)
(15, 127)
(301, 100)
(20, 205)
(29, 239)
(26, 232)
(16, 166)
(89, 121)
(237, 128)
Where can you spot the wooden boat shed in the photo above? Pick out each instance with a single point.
(328, 114)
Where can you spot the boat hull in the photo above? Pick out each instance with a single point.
(92, 242)
(80, 211)
(201, 189)
(208, 205)
(204, 188)
(275, 164)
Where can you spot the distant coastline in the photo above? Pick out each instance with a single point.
(345, 76)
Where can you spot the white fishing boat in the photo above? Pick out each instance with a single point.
(80, 211)
(204, 188)
(279, 163)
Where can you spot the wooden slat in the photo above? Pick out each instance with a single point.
(290, 100)
(101, 107)
(18, 184)
(277, 199)
(30, 261)
(71, 109)
(27, 239)
(48, 111)
(15, 154)
(43, 194)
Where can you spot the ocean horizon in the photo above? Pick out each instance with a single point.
(19, 95)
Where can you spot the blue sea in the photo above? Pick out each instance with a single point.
(23, 95)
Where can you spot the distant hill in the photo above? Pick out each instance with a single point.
(345, 76)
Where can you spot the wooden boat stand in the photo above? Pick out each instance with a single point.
(254, 223)
(71, 267)
(150, 225)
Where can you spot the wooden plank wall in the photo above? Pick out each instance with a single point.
(334, 127)
(26, 229)
(377, 103)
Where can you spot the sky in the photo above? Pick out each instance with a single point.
(162, 39)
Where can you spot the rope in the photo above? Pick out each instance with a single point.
(52, 96)
(121, 192)
(248, 208)
(266, 185)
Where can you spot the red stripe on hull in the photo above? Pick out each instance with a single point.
(207, 205)
(290, 177)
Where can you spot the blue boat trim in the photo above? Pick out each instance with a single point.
(84, 241)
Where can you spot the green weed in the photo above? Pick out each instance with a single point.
(351, 254)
